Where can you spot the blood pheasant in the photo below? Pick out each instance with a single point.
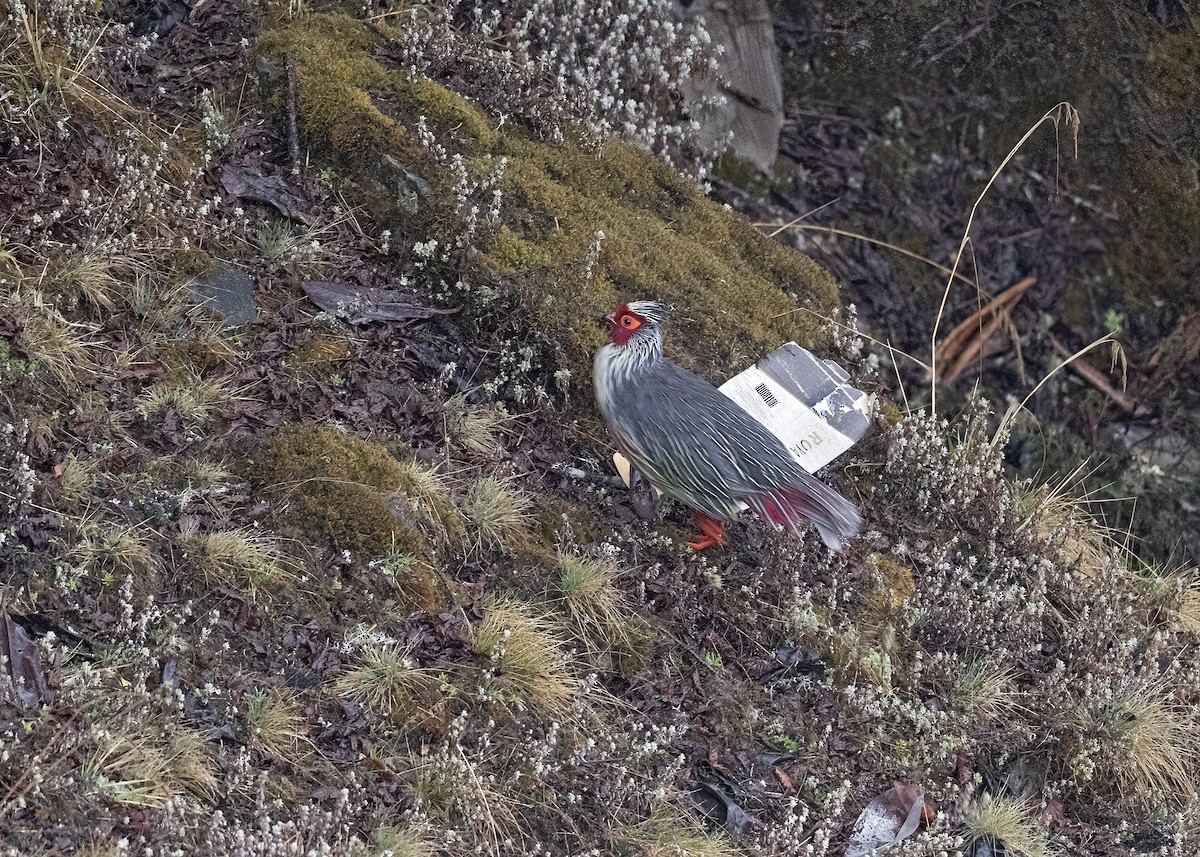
(697, 445)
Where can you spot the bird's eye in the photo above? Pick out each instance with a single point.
(629, 322)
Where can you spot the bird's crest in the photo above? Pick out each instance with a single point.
(650, 311)
(634, 317)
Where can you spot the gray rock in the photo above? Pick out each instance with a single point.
(228, 290)
(406, 186)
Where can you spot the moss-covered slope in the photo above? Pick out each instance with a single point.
(579, 230)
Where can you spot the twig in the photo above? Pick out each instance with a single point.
(1095, 377)
(293, 133)
(588, 476)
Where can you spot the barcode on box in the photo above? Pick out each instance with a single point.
(767, 396)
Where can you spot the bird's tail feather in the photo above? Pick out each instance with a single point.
(809, 501)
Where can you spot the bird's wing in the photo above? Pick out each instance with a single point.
(707, 440)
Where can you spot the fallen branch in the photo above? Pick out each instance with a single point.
(967, 341)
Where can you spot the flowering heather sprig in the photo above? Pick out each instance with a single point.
(612, 69)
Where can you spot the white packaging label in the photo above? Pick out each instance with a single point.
(811, 441)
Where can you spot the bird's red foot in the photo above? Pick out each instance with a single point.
(711, 531)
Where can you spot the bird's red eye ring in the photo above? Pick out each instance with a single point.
(629, 322)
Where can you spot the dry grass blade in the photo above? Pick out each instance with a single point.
(984, 690)
(50, 342)
(1118, 355)
(196, 400)
(46, 64)
(120, 548)
(867, 239)
(147, 768)
(1061, 113)
(402, 842)
(966, 342)
(1090, 374)
(1058, 514)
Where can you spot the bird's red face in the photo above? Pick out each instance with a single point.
(622, 322)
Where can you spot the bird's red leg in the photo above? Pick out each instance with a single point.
(711, 531)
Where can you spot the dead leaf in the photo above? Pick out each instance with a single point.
(887, 820)
(1055, 814)
(360, 304)
(272, 190)
(735, 819)
(23, 662)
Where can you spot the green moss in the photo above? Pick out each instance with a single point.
(893, 584)
(335, 75)
(511, 253)
(742, 174)
(736, 291)
(890, 412)
(444, 108)
(320, 356)
(336, 489)
(352, 106)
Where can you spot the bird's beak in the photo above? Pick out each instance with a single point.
(604, 320)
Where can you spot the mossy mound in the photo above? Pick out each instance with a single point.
(343, 492)
(581, 230)
(737, 293)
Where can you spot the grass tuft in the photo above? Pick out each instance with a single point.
(392, 841)
(147, 768)
(50, 343)
(243, 559)
(1142, 742)
(1189, 603)
(599, 614)
(120, 548)
(476, 428)
(275, 722)
(194, 399)
(528, 657)
(76, 479)
(983, 690)
(1060, 516)
(1012, 822)
(670, 832)
(429, 493)
(496, 512)
(387, 681)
